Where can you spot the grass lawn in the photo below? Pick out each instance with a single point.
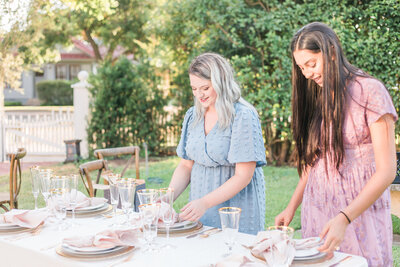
(280, 184)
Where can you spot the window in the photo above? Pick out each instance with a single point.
(61, 72)
(74, 69)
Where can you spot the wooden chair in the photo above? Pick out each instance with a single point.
(395, 190)
(92, 186)
(11, 197)
(119, 151)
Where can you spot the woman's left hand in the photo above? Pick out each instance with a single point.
(334, 232)
(193, 210)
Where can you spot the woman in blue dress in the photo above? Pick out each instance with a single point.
(221, 149)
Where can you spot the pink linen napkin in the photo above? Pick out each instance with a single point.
(282, 248)
(105, 239)
(307, 243)
(24, 218)
(237, 260)
(83, 201)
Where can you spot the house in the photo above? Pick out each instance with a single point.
(73, 59)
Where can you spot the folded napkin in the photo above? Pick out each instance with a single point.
(237, 260)
(24, 218)
(307, 243)
(164, 208)
(105, 239)
(274, 247)
(83, 201)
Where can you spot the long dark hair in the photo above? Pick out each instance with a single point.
(318, 112)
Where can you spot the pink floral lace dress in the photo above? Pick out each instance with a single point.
(369, 235)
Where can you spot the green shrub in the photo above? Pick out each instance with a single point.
(55, 93)
(12, 103)
(127, 107)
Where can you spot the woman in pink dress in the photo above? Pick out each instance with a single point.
(343, 127)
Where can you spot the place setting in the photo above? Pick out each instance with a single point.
(19, 221)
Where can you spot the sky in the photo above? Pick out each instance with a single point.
(12, 11)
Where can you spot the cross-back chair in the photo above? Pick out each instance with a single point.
(119, 151)
(11, 197)
(85, 171)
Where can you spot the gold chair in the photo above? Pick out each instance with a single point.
(92, 186)
(11, 197)
(119, 151)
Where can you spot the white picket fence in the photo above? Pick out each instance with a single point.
(40, 130)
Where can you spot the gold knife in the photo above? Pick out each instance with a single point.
(202, 232)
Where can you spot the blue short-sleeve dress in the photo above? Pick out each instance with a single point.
(214, 157)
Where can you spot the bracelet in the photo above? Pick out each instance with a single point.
(347, 217)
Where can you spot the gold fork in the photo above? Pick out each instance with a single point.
(32, 232)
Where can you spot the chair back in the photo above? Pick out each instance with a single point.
(397, 179)
(15, 178)
(119, 151)
(85, 170)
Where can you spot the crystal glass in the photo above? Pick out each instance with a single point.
(44, 178)
(59, 192)
(276, 258)
(230, 225)
(149, 214)
(147, 196)
(114, 195)
(126, 191)
(73, 194)
(167, 201)
(35, 183)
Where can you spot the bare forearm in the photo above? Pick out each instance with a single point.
(297, 196)
(180, 179)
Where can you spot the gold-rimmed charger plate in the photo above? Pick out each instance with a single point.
(180, 232)
(294, 262)
(19, 230)
(107, 207)
(94, 257)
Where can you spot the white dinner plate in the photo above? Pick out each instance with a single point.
(100, 207)
(89, 250)
(301, 253)
(185, 225)
(89, 208)
(313, 257)
(5, 226)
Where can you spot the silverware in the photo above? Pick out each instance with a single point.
(33, 232)
(342, 260)
(202, 232)
(216, 231)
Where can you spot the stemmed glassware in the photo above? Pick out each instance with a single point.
(147, 196)
(230, 217)
(44, 178)
(59, 191)
(126, 191)
(73, 193)
(149, 214)
(35, 183)
(167, 201)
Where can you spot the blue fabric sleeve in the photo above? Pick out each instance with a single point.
(181, 149)
(247, 143)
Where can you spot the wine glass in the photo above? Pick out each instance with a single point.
(167, 201)
(149, 215)
(59, 191)
(126, 191)
(147, 196)
(44, 178)
(73, 193)
(114, 195)
(35, 183)
(230, 225)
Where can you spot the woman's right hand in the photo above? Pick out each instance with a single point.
(285, 217)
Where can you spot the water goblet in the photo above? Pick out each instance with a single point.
(167, 213)
(230, 217)
(44, 178)
(147, 196)
(126, 191)
(114, 195)
(73, 193)
(35, 183)
(59, 191)
(149, 214)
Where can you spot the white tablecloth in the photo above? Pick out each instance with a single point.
(31, 251)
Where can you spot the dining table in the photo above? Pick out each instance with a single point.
(31, 249)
